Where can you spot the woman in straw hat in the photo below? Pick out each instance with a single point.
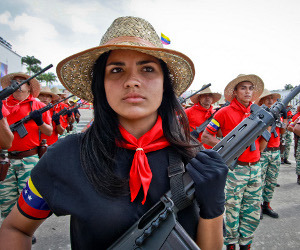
(119, 165)
(243, 187)
(202, 109)
(270, 158)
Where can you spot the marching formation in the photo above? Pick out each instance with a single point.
(141, 136)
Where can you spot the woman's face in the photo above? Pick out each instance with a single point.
(133, 85)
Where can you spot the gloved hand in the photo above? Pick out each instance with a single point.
(284, 113)
(36, 115)
(209, 171)
(1, 115)
(55, 118)
(195, 134)
(76, 111)
(69, 113)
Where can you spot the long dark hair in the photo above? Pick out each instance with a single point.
(98, 147)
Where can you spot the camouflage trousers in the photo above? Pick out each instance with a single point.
(243, 195)
(17, 176)
(297, 158)
(270, 163)
(287, 136)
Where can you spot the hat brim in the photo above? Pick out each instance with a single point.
(216, 97)
(257, 82)
(35, 86)
(75, 72)
(276, 96)
(54, 96)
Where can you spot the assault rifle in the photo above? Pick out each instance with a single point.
(65, 110)
(182, 100)
(158, 228)
(19, 125)
(15, 85)
(201, 128)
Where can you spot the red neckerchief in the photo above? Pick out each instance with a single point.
(140, 172)
(208, 112)
(13, 105)
(240, 107)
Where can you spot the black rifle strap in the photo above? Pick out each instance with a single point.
(176, 170)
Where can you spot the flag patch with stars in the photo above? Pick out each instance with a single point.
(31, 204)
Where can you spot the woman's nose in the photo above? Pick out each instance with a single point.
(132, 81)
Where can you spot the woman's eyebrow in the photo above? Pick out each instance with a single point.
(116, 64)
(138, 63)
(145, 62)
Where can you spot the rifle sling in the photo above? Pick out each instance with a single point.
(176, 170)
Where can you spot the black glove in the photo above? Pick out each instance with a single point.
(209, 171)
(284, 113)
(69, 113)
(36, 115)
(76, 111)
(55, 118)
(1, 115)
(195, 134)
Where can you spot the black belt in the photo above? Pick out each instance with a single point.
(22, 154)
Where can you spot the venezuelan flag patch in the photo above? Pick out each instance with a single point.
(213, 126)
(31, 204)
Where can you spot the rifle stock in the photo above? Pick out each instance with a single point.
(154, 227)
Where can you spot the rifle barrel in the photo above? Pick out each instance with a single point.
(203, 88)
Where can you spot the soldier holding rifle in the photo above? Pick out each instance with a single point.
(243, 186)
(202, 109)
(270, 157)
(23, 153)
(120, 164)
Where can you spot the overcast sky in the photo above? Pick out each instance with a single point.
(223, 38)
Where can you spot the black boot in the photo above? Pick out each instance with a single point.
(282, 161)
(261, 214)
(298, 180)
(286, 161)
(230, 247)
(277, 185)
(268, 210)
(245, 247)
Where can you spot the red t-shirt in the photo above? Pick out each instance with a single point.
(227, 119)
(19, 110)
(274, 142)
(63, 122)
(295, 116)
(197, 115)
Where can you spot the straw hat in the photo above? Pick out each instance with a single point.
(75, 72)
(254, 79)
(56, 91)
(216, 96)
(46, 91)
(35, 86)
(265, 94)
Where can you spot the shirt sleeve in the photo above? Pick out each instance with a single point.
(31, 204)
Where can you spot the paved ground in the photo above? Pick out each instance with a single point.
(282, 233)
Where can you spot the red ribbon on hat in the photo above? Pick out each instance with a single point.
(140, 172)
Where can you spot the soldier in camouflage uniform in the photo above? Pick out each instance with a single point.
(243, 186)
(295, 128)
(270, 158)
(287, 139)
(23, 152)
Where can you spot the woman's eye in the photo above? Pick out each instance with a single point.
(148, 69)
(116, 70)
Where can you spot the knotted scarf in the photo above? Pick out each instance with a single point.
(241, 108)
(208, 112)
(13, 105)
(140, 172)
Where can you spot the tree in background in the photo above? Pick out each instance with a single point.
(31, 62)
(48, 78)
(288, 86)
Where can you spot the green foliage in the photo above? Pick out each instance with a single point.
(288, 86)
(30, 61)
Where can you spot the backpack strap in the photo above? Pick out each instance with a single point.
(176, 170)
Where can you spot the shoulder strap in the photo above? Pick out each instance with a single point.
(176, 170)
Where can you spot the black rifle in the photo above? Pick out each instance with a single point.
(19, 125)
(182, 100)
(14, 86)
(201, 128)
(159, 223)
(65, 110)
